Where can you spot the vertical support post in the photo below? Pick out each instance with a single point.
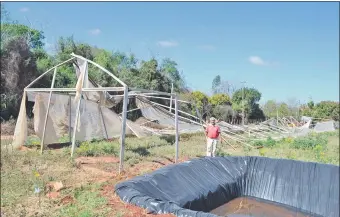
(172, 90)
(176, 128)
(77, 115)
(48, 108)
(69, 120)
(122, 136)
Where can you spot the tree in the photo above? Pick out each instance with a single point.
(19, 44)
(18, 66)
(283, 110)
(223, 112)
(24, 58)
(270, 109)
(216, 84)
(310, 104)
(327, 109)
(322, 110)
(251, 97)
(219, 99)
(12, 31)
(201, 101)
(256, 112)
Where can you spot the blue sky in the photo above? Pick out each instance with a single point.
(285, 49)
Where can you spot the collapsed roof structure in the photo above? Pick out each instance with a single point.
(87, 114)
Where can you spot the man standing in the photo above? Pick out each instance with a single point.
(213, 135)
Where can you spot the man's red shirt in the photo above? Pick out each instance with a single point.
(213, 131)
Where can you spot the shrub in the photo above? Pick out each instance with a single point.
(97, 148)
(310, 141)
(86, 149)
(269, 142)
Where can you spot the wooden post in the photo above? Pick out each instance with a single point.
(122, 137)
(176, 127)
(48, 108)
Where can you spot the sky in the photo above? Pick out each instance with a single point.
(286, 50)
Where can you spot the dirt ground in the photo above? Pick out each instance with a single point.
(105, 170)
(95, 165)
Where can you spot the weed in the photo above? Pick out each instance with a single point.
(288, 140)
(263, 151)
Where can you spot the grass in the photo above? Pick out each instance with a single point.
(25, 174)
(89, 203)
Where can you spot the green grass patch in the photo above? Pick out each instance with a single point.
(88, 203)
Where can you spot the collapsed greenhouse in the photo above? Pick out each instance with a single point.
(87, 112)
(55, 111)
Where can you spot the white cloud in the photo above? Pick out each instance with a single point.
(24, 9)
(207, 47)
(256, 60)
(167, 43)
(95, 31)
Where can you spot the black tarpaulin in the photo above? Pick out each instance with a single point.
(195, 187)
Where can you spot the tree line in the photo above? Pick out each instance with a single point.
(321, 110)
(23, 58)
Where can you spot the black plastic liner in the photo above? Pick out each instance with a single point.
(196, 187)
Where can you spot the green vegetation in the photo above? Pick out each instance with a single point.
(22, 172)
(322, 110)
